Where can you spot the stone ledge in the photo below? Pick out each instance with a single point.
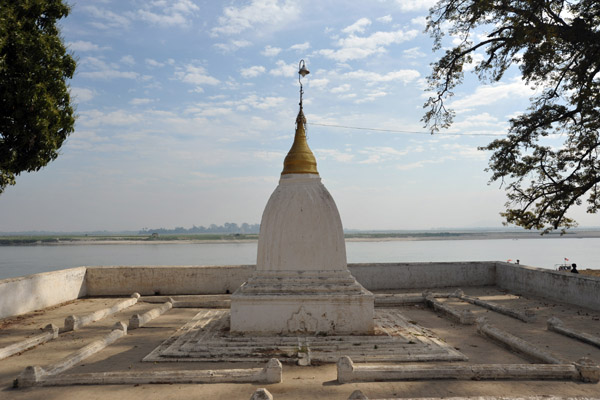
(358, 395)
(516, 344)
(556, 325)
(32, 375)
(74, 322)
(50, 333)
(270, 373)
(464, 317)
(348, 372)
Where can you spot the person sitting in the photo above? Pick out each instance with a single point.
(574, 269)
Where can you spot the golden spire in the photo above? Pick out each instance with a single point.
(300, 159)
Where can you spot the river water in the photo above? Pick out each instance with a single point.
(543, 252)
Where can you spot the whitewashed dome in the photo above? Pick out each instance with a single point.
(301, 228)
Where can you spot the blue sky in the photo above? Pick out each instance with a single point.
(186, 110)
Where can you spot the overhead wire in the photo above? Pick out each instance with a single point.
(399, 131)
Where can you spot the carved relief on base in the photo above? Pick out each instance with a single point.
(302, 322)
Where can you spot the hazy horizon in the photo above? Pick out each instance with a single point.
(346, 230)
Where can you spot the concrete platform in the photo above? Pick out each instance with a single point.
(402, 321)
(207, 338)
(316, 381)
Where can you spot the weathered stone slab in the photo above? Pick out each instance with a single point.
(192, 301)
(391, 300)
(527, 316)
(588, 370)
(464, 317)
(271, 373)
(74, 322)
(50, 332)
(34, 374)
(361, 396)
(139, 320)
(517, 344)
(350, 372)
(556, 325)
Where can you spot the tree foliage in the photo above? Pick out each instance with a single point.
(556, 46)
(35, 111)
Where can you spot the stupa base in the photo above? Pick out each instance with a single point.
(292, 303)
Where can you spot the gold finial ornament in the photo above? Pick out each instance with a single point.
(300, 159)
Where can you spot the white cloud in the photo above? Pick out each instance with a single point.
(109, 74)
(385, 19)
(110, 20)
(403, 75)
(195, 75)
(371, 96)
(128, 59)
(359, 26)
(483, 123)
(100, 118)
(268, 155)
(414, 52)
(140, 101)
(464, 151)
(477, 58)
(97, 68)
(421, 21)
(263, 103)
(215, 111)
(153, 63)
(420, 164)
(347, 96)
(318, 83)
(415, 5)
(284, 69)
(81, 45)
(82, 94)
(324, 154)
(300, 46)
(224, 107)
(253, 71)
(168, 14)
(270, 51)
(358, 47)
(257, 14)
(158, 64)
(233, 45)
(379, 154)
(485, 95)
(341, 89)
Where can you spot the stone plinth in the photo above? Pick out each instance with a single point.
(294, 303)
(302, 284)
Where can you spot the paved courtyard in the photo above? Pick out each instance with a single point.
(193, 335)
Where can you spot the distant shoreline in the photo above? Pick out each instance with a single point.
(57, 240)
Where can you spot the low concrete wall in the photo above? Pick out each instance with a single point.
(33, 292)
(172, 280)
(166, 280)
(375, 276)
(24, 294)
(570, 288)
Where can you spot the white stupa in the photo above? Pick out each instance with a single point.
(301, 284)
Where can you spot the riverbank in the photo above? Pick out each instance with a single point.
(49, 240)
